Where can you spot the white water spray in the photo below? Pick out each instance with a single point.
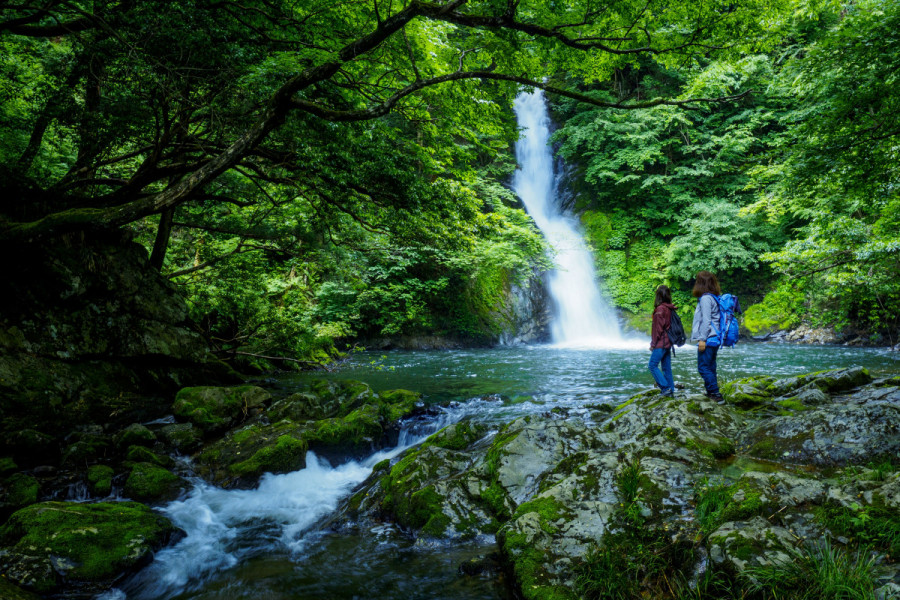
(581, 316)
(225, 527)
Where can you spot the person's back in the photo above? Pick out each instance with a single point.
(706, 318)
(706, 329)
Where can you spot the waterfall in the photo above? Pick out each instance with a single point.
(581, 316)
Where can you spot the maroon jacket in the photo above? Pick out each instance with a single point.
(661, 317)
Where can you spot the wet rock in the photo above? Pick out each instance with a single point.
(150, 482)
(742, 544)
(325, 399)
(181, 437)
(833, 435)
(52, 543)
(215, 409)
(99, 478)
(243, 455)
(135, 435)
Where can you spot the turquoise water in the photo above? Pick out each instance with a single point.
(279, 541)
(534, 378)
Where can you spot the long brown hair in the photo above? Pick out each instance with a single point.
(663, 296)
(706, 284)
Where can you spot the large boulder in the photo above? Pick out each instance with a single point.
(243, 455)
(214, 409)
(50, 544)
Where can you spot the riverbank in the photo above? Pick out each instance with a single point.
(684, 479)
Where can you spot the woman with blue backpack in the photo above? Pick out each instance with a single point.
(706, 331)
(660, 342)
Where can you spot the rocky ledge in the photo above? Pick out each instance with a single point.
(661, 497)
(234, 435)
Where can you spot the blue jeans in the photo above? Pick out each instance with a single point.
(706, 366)
(663, 377)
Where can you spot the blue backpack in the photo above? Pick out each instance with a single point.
(728, 331)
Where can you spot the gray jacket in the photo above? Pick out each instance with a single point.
(705, 315)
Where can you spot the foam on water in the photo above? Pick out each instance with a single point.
(225, 527)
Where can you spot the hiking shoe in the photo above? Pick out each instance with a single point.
(717, 397)
(668, 393)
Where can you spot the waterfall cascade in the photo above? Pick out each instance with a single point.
(581, 316)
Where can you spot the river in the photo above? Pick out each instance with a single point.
(277, 542)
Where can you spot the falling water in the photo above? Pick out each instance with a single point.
(581, 316)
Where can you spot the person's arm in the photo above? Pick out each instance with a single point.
(702, 321)
(658, 329)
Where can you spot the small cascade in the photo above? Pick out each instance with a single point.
(581, 316)
(225, 528)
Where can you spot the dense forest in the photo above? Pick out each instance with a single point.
(315, 174)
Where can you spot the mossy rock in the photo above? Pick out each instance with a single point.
(8, 591)
(99, 478)
(342, 396)
(88, 449)
(217, 408)
(181, 437)
(135, 435)
(245, 454)
(148, 482)
(526, 542)
(831, 381)
(738, 545)
(400, 404)
(751, 391)
(137, 454)
(282, 457)
(81, 543)
(362, 427)
(303, 406)
(458, 436)
(18, 491)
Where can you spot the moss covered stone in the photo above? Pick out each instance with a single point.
(751, 391)
(8, 591)
(18, 491)
(84, 542)
(87, 449)
(99, 478)
(148, 481)
(142, 454)
(458, 436)
(243, 455)
(181, 437)
(362, 426)
(135, 435)
(281, 457)
(216, 408)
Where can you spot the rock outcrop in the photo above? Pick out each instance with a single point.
(684, 481)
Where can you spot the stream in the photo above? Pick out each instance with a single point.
(276, 542)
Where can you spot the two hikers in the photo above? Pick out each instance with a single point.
(714, 326)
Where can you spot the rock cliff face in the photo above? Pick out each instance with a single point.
(89, 333)
(577, 506)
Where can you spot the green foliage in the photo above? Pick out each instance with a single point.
(875, 525)
(782, 308)
(821, 571)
